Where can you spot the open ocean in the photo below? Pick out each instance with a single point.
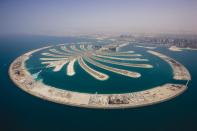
(20, 111)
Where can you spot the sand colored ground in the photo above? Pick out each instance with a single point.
(179, 71)
(92, 72)
(127, 100)
(118, 58)
(122, 63)
(115, 70)
(70, 68)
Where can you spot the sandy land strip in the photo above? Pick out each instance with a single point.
(53, 55)
(57, 52)
(70, 68)
(115, 70)
(121, 45)
(179, 71)
(124, 44)
(115, 53)
(123, 63)
(53, 59)
(57, 64)
(147, 47)
(120, 54)
(129, 51)
(92, 72)
(117, 58)
(192, 49)
(174, 48)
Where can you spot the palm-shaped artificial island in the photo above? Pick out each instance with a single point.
(70, 54)
(103, 57)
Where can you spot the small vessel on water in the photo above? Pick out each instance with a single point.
(35, 75)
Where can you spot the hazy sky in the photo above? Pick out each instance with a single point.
(58, 17)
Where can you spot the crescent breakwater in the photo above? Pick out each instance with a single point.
(24, 80)
(179, 71)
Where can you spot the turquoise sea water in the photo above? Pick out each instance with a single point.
(21, 112)
(83, 82)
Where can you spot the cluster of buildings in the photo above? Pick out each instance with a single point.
(163, 40)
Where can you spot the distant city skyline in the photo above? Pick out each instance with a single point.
(69, 17)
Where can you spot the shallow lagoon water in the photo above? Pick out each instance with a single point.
(21, 111)
(160, 74)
